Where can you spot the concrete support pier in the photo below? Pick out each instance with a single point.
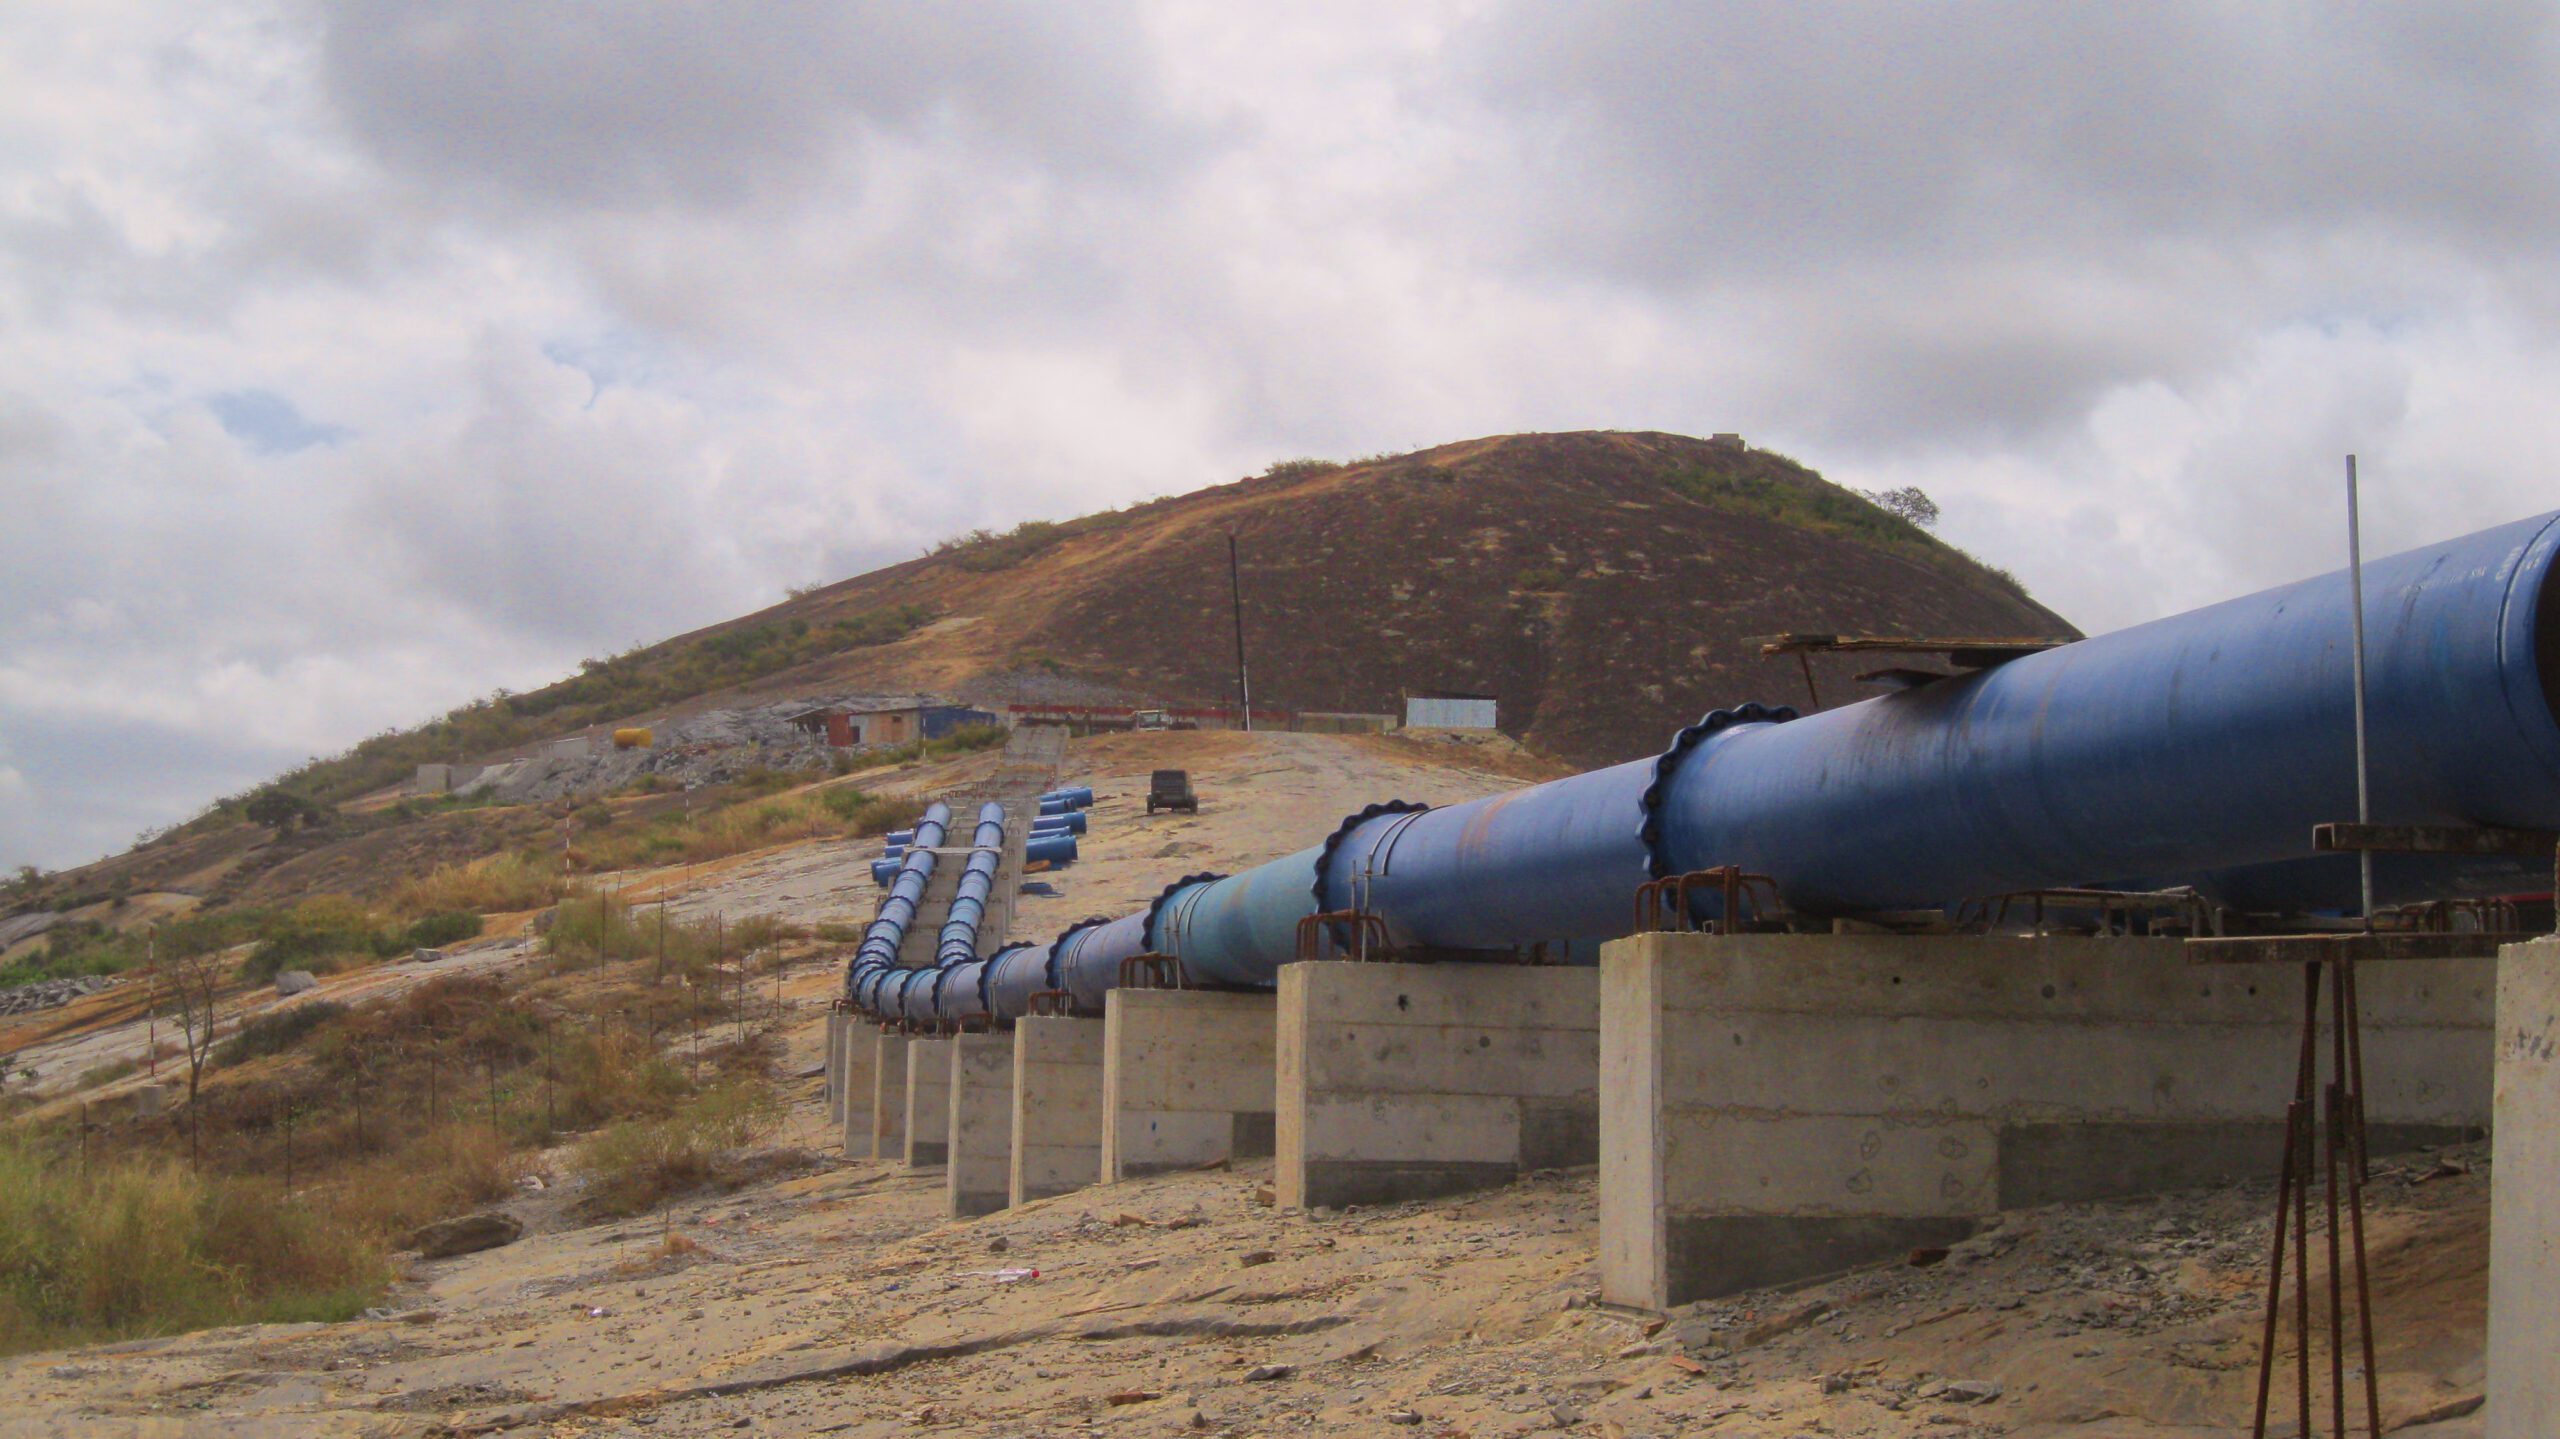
(888, 1117)
(836, 1023)
(857, 1054)
(928, 1103)
(1410, 1081)
(1186, 1079)
(979, 1178)
(1776, 1107)
(1057, 1106)
(2524, 1203)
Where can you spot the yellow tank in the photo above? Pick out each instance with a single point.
(632, 739)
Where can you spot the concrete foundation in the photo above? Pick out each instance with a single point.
(1776, 1107)
(980, 1173)
(1186, 1079)
(888, 1117)
(1057, 1106)
(2524, 1202)
(857, 1054)
(1407, 1081)
(928, 1103)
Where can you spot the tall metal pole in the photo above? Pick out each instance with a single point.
(1235, 582)
(2355, 591)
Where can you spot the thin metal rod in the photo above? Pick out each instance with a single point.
(2355, 590)
(2304, 1087)
(2349, 1016)
(1235, 584)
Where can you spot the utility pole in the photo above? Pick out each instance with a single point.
(1235, 584)
(2355, 593)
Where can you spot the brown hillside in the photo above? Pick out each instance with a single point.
(1607, 586)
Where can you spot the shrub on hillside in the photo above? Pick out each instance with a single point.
(451, 926)
(276, 1032)
(633, 1165)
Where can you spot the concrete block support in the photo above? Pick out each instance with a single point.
(1057, 1106)
(980, 1173)
(928, 1103)
(1407, 1081)
(836, 1021)
(857, 1077)
(1776, 1107)
(2524, 1204)
(888, 1117)
(1186, 1079)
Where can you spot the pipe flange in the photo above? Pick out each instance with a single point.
(986, 976)
(1667, 764)
(1058, 946)
(1342, 831)
(1164, 896)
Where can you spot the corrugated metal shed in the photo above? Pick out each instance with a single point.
(1449, 711)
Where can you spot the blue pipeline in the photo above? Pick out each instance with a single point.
(1072, 822)
(1069, 797)
(880, 941)
(959, 937)
(2200, 748)
(1057, 847)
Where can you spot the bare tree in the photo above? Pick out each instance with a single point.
(188, 980)
(1910, 502)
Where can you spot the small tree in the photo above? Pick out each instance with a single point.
(1910, 502)
(281, 810)
(188, 980)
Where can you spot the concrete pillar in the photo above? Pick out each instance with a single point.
(1186, 1079)
(857, 1062)
(2524, 1205)
(979, 1179)
(928, 1103)
(1409, 1081)
(888, 1095)
(1776, 1107)
(1057, 1106)
(836, 1020)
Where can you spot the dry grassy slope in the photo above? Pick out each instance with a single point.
(1563, 572)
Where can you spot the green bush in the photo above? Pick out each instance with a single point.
(633, 1165)
(594, 816)
(865, 814)
(1299, 468)
(276, 1032)
(442, 928)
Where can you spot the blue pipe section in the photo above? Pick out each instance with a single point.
(1239, 928)
(1072, 822)
(1069, 797)
(888, 930)
(959, 937)
(1057, 847)
(2193, 747)
(1087, 962)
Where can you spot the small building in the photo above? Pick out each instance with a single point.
(1449, 709)
(885, 722)
(443, 778)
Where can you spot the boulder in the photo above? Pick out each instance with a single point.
(295, 981)
(468, 1234)
(425, 956)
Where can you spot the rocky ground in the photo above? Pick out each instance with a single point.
(833, 1298)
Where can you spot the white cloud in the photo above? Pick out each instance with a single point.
(358, 359)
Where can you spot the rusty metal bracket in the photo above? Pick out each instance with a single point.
(1662, 905)
(2111, 904)
(1154, 971)
(1050, 1004)
(1321, 935)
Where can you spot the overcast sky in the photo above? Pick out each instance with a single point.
(361, 357)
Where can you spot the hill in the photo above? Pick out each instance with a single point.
(1607, 586)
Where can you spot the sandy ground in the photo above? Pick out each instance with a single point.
(837, 1300)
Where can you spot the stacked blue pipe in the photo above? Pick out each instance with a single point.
(2198, 749)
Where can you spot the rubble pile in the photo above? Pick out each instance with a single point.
(50, 993)
(711, 747)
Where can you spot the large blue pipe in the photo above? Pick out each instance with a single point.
(959, 937)
(2200, 748)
